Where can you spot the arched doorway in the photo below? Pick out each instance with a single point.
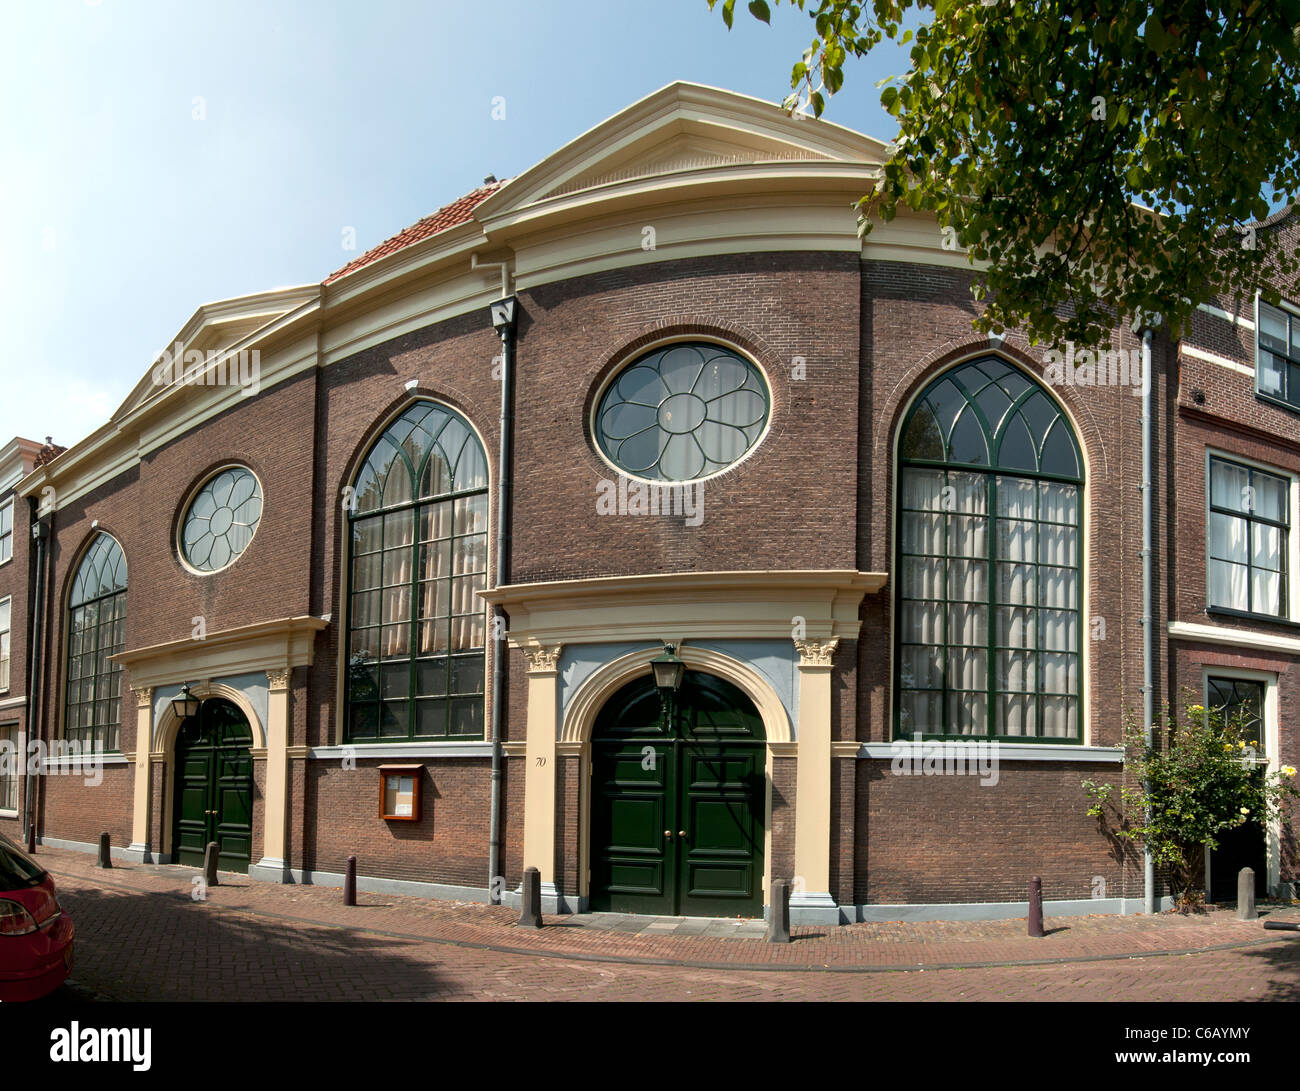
(678, 792)
(214, 787)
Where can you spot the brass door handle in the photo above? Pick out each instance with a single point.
(681, 833)
(668, 833)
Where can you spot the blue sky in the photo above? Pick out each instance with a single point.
(164, 155)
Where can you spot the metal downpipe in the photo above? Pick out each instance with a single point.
(507, 331)
(35, 692)
(1148, 615)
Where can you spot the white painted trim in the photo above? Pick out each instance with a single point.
(1241, 638)
(69, 763)
(14, 702)
(432, 750)
(1044, 752)
(1236, 320)
(8, 814)
(1214, 358)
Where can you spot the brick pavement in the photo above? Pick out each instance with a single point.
(141, 936)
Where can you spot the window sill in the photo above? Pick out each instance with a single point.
(57, 763)
(1246, 615)
(454, 748)
(1066, 750)
(1279, 402)
(8, 814)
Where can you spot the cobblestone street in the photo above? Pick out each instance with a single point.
(140, 936)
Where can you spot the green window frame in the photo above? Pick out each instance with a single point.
(1277, 355)
(96, 630)
(989, 588)
(417, 553)
(1248, 536)
(682, 412)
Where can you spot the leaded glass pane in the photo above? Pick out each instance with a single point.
(682, 412)
(221, 520)
(960, 673)
(429, 556)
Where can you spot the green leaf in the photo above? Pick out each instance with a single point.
(759, 10)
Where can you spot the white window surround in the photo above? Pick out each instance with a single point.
(13, 530)
(1292, 570)
(6, 605)
(1272, 746)
(20, 741)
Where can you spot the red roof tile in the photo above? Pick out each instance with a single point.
(458, 212)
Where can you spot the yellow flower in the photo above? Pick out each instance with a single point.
(1288, 770)
(1227, 746)
(1196, 708)
(1241, 745)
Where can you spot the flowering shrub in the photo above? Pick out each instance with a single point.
(1179, 798)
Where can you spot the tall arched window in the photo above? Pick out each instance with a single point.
(96, 630)
(989, 589)
(417, 553)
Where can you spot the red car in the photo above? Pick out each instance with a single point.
(35, 932)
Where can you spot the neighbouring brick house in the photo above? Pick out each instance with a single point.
(877, 543)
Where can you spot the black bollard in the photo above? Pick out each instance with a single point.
(210, 864)
(1036, 907)
(1246, 895)
(1283, 926)
(350, 882)
(778, 913)
(31, 837)
(104, 856)
(530, 906)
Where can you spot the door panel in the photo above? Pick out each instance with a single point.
(678, 795)
(723, 806)
(632, 861)
(214, 787)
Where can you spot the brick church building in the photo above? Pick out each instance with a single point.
(636, 520)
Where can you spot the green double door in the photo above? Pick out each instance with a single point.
(677, 801)
(214, 787)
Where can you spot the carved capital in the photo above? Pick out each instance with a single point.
(143, 696)
(816, 653)
(543, 657)
(278, 679)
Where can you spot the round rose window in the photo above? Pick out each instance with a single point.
(221, 520)
(682, 412)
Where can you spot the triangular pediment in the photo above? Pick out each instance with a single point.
(683, 145)
(681, 128)
(214, 328)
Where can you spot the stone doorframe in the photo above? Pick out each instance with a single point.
(682, 608)
(273, 648)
